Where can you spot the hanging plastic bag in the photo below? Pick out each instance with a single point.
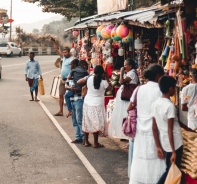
(174, 175)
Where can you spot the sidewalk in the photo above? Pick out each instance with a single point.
(111, 162)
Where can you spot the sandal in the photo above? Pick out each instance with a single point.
(87, 145)
(98, 146)
(126, 146)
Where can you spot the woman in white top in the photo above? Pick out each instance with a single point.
(94, 115)
(128, 75)
(189, 93)
(146, 167)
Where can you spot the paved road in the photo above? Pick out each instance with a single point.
(34, 151)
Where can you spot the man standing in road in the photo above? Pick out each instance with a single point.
(32, 73)
(65, 71)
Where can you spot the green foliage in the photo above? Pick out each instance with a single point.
(68, 8)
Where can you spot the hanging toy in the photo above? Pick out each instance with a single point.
(168, 28)
(114, 35)
(98, 31)
(122, 30)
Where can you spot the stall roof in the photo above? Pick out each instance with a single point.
(122, 15)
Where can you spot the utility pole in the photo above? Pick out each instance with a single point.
(131, 5)
(10, 18)
(79, 11)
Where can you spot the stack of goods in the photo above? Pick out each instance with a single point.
(114, 82)
(110, 107)
(189, 157)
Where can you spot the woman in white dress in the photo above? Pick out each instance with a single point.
(146, 167)
(129, 75)
(94, 115)
(188, 96)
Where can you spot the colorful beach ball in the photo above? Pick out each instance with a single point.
(122, 31)
(109, 29)
(104, 34)
(114, 35)
(129, 37)
(75, 33)
(125, 40)
(98, 31)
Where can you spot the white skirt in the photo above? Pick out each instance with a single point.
(146, 167)
(94, 118)
(117, 116)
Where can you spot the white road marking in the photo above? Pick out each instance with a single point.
(82, 157)
(49, 71)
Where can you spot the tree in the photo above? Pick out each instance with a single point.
(35, 31)
(68, 8)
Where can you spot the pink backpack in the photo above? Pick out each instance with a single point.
(130, 122)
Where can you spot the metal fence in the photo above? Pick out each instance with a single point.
(39, 50)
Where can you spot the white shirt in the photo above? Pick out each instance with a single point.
(95, 97)
(162, 110)
(132, 74)
(147, 94)
(188, 95)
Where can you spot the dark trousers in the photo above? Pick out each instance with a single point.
(168, 155)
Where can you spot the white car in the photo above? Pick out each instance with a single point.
(10, 49)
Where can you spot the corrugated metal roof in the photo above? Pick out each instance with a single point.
(122, 15)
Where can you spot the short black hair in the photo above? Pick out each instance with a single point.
(83, 63)
(165, 83)
(75, 62)
(131, 62)
(32, 53)
(194, 72)
(67, 49)
(153, 71)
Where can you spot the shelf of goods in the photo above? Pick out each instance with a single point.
(189, 157)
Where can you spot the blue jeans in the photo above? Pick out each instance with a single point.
(77, 115)
(67, 99)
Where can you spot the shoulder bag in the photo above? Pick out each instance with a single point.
(128, 90)
(129, 123)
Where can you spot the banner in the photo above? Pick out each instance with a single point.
(108, 6)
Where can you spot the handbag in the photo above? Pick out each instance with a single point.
(174, 175)
(130, 122)
(127, 91)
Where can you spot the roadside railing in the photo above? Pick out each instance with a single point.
(39, 50)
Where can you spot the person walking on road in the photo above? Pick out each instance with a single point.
(32, 73)
(65, 71)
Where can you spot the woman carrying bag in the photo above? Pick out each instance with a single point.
(146, 167)
(128, 80)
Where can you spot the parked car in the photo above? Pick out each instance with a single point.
(0, 68)
(10, 49)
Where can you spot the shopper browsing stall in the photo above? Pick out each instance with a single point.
(188, 100)
(128, 75)
(145, 152)
(166, 129)
(94, 115)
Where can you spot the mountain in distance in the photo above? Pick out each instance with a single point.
(28, 27)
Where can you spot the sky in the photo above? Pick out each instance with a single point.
(23, 12)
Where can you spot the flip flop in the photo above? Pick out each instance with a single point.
(87, 145)
(98, 146)
(37, 100)
(58, 114)
(31, 100)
